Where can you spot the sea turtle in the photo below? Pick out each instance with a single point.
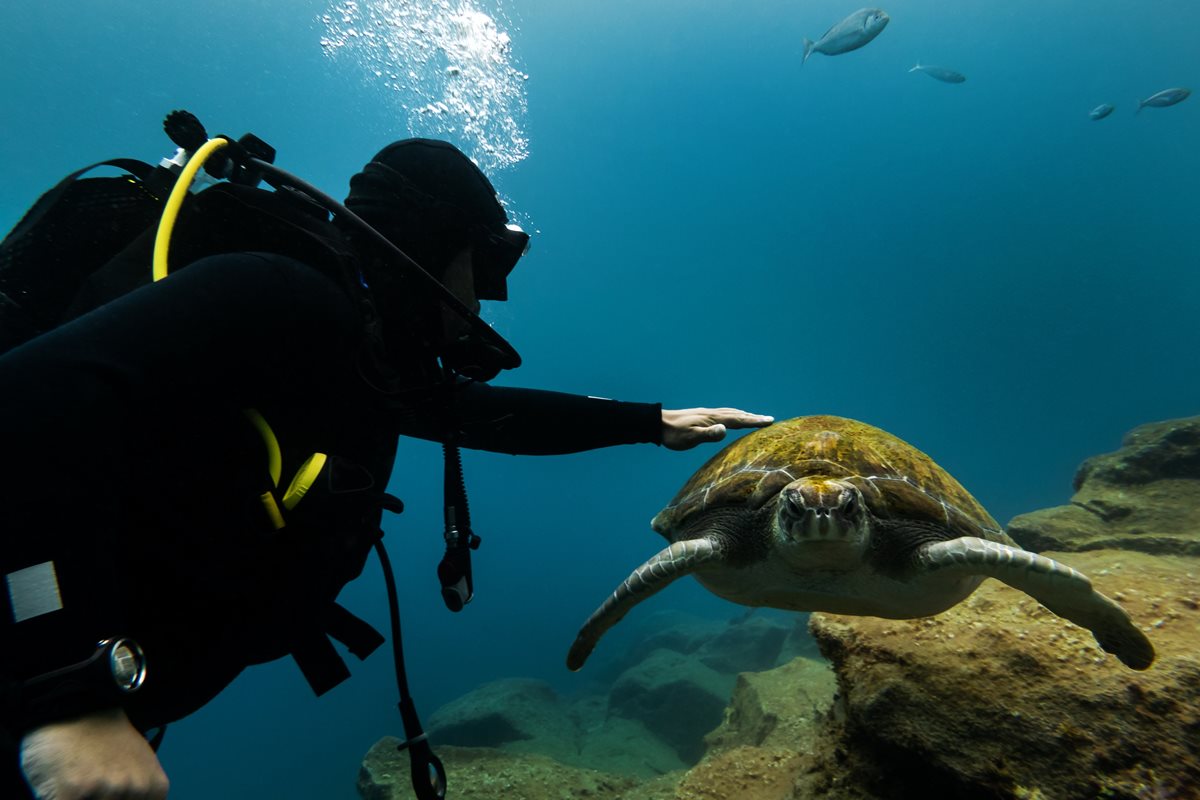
(829, 514)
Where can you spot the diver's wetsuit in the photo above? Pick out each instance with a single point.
(128, 461)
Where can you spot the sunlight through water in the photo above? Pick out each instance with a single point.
(449, 66)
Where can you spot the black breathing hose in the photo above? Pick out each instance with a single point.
(428, 774)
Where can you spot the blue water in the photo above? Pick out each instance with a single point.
(978, 268)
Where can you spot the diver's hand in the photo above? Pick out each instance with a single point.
(685, 428)
(99, 756)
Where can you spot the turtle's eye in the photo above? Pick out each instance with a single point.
(850, 505)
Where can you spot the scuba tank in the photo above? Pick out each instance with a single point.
(72, 230)
(83, 225)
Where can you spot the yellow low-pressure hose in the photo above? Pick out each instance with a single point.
(162, 241)
(308, 472)
(305, 477)
(274, 455)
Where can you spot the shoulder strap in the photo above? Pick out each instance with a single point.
(316, 656)
(138, 169)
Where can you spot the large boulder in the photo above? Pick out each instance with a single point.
(676, 697)
(612, 743)
(768, 736)
(1145, 496)
(651, 719)
(776, 709)
(520, 715)
(799, 642)
(756, 640)
(671, 630)
(999, 698)
(745, 773)
(626, 747)
(751, 644)
(1155, 451)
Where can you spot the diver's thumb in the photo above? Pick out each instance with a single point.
(713, 433)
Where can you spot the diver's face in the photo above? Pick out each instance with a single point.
(459, 278)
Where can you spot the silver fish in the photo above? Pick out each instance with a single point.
(1167, 97)
(941, 73)
(1101, 111)
(851, 33)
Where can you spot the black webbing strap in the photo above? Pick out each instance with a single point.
(323, 668)
(319, 660)
(139, 169)
(358, 636)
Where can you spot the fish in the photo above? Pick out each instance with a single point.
(1101, 111)
(941, 73)
(1167, 97)
(851, 33)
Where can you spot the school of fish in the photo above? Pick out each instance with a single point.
(861, 27)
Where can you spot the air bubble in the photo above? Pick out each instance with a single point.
(459, 62)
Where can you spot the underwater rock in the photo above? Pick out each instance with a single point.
(744, 773)
(612, 743)
(751, 642)
(648, 721)
(1145, 497)
(669, 629)
(776, 709)
(626, 747)
(756, 753)
(686, 636)
(764, 744)
(1157, 450)
(999, 698)
(799, 642)
(747, 645)
(484, 774)
(676, 697)
(516, 714)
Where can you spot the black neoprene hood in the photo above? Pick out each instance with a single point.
(435, 177)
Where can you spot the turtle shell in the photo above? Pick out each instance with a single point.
(897, 480)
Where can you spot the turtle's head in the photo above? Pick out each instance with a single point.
(822, 511)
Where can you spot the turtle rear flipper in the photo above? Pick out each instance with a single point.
(1066, 592)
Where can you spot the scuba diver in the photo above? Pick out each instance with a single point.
(195, 466)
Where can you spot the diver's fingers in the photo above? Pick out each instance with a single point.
(712, 433)
(736, 418)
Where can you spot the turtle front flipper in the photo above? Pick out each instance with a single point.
(1066, 592)
(681, 558)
